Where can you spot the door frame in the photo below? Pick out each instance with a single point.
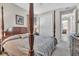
(68, 11)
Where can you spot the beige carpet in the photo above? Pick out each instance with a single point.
(62, 49)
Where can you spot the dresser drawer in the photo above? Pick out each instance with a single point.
(76, 42)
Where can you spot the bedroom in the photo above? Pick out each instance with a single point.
(43, 30)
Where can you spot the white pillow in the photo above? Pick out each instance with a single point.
(11, 38)
(24, 35)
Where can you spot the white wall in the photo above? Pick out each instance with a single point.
(61, 6)
(46, 24)
(46, 20)
(78, 20)
(10, 12)
(58, 24)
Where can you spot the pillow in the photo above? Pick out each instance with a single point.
(20, 35)
(11, 38)
(9, 29)
(24, 35)
(14, 37)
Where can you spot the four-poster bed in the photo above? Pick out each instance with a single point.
(54, 30)
(33, 47)
(1, 48)
(2, 23)
(31, 26)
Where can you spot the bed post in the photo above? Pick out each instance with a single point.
(54, 30)
(2, 23)
(2, 28)
(31, 28)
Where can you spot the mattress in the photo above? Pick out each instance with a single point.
(43, 46)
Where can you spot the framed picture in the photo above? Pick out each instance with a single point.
(19, 20)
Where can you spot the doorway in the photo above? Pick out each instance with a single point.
(68, 24)
(64, 27)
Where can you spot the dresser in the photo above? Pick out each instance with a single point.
(74, 45)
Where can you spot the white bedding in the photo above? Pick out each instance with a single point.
(43, 46)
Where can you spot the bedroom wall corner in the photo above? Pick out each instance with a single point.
(46, 23)
(10, 12)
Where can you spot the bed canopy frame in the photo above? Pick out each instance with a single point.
(31, 28)
(2, 23)
(2, 28)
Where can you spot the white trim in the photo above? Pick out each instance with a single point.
(72, 9)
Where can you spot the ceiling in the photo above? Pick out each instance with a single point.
(44, 7)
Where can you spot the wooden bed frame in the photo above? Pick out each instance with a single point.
(31, 28)
(15, 31)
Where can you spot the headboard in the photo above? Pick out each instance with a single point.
(16, 30)
(19, 30)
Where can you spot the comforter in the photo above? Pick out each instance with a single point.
(43, 46)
